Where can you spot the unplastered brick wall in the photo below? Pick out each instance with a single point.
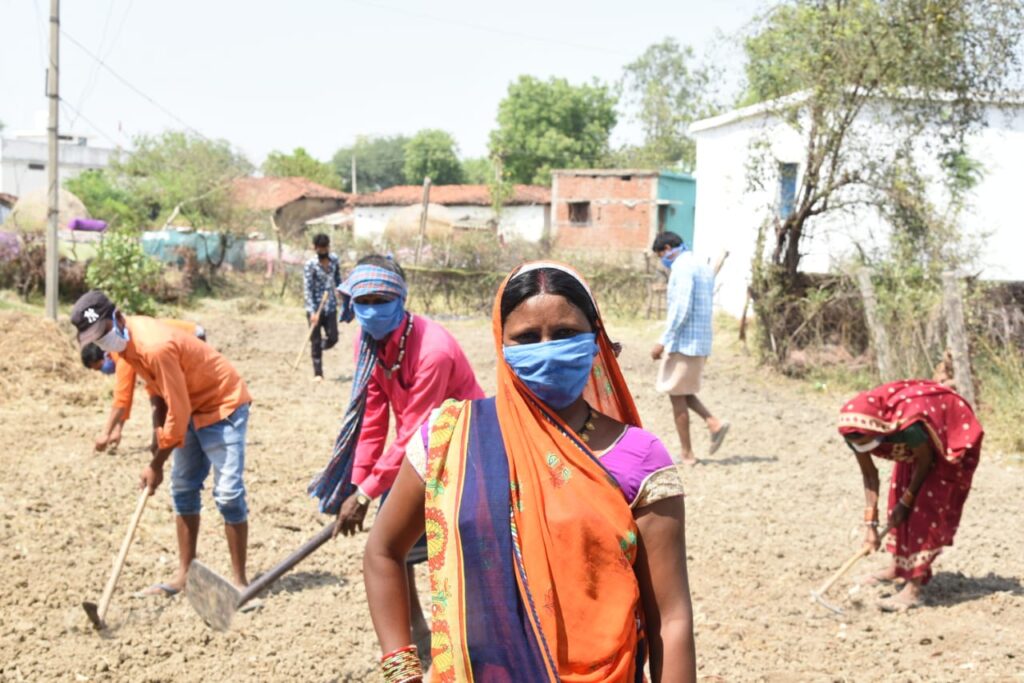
(605, 212)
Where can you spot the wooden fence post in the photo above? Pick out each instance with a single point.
(423, 220)
(879, 337)
(956, 337)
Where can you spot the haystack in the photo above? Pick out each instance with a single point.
(39, 360)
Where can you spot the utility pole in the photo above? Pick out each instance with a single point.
(355, 187)
(52, 80)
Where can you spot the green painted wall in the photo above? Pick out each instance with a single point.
(680, 189)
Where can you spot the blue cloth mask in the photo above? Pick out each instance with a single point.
(669, 257)
(108, 366)
(555, 371)
(380, 320)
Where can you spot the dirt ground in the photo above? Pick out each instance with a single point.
(769, 517)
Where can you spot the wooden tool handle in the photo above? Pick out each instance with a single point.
(309, 332)
(108, 592)
(276, 572)
(854, 559)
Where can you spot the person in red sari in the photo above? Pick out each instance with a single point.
(935, 440)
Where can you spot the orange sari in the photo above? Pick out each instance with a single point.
(531, 542)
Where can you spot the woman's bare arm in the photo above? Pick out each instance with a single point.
(665, 591)
(398, 526)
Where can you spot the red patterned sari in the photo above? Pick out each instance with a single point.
(955, 436)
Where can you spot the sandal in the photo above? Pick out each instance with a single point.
(158, 589)
(718, 437)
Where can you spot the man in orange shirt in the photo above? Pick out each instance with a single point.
(202, 418)
(95, 358)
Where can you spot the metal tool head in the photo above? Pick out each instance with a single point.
(211, 595)
(816, 597)
(94, 615)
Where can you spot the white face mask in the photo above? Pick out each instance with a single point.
(115, 340)
(866, 447)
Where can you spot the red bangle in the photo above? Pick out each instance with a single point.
(407, 648)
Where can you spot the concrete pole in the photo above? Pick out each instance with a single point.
(355, 186)
(53, 169)
(423, 219)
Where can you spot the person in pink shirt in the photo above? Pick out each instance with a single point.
(416, 366)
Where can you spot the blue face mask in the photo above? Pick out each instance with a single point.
(555, 371)
(379, 320)
(108, 366)
(670, 256)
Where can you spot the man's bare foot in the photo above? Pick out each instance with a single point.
(689, 461)
(163, 589)
(874, 578)
(908, 598)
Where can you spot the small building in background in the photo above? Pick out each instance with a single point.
(394, 212)
(288, 202)
(619, 209)
(750, 163)
(25, 155)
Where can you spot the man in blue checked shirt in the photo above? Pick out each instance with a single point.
(321, 274)
(686, 343)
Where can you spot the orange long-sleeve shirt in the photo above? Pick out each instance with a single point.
(195, 381)
(124, 374)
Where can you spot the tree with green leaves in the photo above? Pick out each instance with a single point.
(544, 125)
(432, 153)
(184, 174)
(932, 67)
(300, 164)
(380, 162)
(109, 198)
(873, 88)
(477, 170)
(664, 92)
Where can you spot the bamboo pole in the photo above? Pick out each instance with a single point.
(956, 336)
(879, 337)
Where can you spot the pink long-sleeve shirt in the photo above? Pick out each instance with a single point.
(434, 369)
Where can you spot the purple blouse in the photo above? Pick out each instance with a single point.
(631, 461)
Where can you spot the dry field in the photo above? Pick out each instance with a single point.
(768, 517)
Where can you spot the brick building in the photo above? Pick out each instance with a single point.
(619, 209)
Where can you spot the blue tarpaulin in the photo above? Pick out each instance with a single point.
(209, 247)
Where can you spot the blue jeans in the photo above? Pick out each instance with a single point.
(222, 446)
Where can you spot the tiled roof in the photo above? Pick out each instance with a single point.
(7, 200)
(269, 194)
(451, 195)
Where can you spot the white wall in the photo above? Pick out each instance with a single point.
(730, 209)
(525, 222)
(16, 156)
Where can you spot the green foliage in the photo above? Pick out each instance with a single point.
(300, 164)
(107, 198)
(477, 171)
(664, 93)
(125, 273)
(432, 153)
(380, 162)
(180, 170)
(544, 125)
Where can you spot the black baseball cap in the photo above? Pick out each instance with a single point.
(89, 314)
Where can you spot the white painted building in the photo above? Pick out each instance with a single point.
(735, 196)
(526, 214)
(24, 157)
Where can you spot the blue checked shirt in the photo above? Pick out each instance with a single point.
(317, 281)
(691, 287)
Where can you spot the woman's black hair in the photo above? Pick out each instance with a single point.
(91, 354)
(382, 262)
(547, 281)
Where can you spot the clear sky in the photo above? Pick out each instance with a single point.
(316, 73)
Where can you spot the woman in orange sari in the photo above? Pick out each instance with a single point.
(555, 524)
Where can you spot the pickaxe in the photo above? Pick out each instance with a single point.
(216, 599)
(818, 596)
(97, 614)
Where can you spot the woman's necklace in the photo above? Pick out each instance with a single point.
(588, 425)
(401, 351)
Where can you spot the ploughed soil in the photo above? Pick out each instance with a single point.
(768, 518)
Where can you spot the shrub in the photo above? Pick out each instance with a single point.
(125, 273)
